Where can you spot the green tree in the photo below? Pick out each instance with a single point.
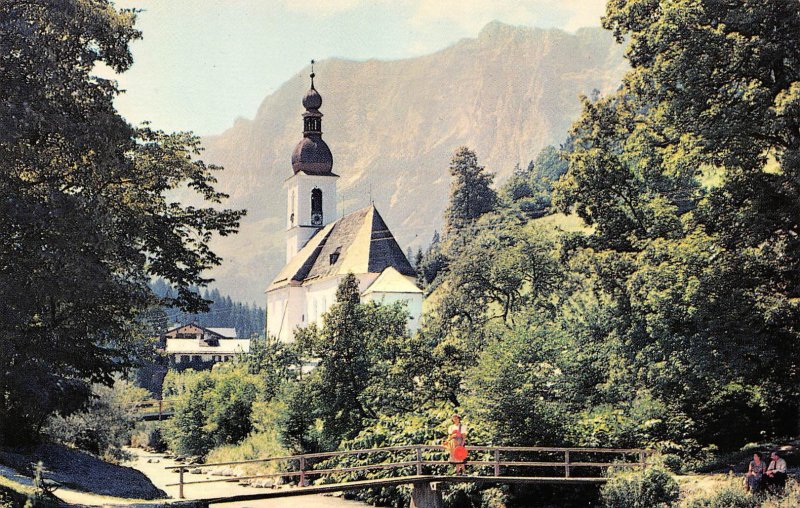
(364, 367)
(471, 194)
(84, 213)
(548, 166)
(690, 174)
(186, 431)
(275, 362)
(518, 389)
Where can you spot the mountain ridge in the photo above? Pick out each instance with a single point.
(393, 125)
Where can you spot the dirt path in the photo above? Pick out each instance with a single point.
(154, 465)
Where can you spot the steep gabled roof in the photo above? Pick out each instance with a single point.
(225, 333)
(359, 243)
(392, 281)
(228, 333)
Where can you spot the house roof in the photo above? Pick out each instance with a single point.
(359, 243)
(228, 333)
(192, 346)
(392, 281)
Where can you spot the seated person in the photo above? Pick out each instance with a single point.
(754, 473)
(776, 472)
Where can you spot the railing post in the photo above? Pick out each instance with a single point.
(566, 463)
(642, 460)
(419, 461)
(180, 483)
(302, 470)
(497, 462)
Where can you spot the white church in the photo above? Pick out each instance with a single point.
(321, 249)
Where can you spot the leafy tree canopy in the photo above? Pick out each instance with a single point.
(84, 213)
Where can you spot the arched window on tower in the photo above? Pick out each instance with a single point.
(316, 207)
(291, 206)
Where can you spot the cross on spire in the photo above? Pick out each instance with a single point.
(312, 74)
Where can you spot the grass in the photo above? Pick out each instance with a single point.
(263, 442)
(19, 488)
(570, 223)
(722, 491)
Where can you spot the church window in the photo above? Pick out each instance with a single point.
(316, 207)
(335, 255)
(291, 205)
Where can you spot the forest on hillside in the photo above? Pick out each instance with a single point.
(248, 319)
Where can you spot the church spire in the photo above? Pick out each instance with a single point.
(312, 154)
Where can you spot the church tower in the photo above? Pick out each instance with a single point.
(311, 190)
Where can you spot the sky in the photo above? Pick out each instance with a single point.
(203, 63)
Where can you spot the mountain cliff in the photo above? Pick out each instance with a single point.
(393, 125)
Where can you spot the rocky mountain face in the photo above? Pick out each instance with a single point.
(393, 126)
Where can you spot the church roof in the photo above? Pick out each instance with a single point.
(359, 243)
(392, 281)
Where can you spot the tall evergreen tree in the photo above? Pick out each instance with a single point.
(471, 194)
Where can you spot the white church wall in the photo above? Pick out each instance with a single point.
(412, 301)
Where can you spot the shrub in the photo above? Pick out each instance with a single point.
(733, 495)
(728, 497)
(651, 488)
(104, 426)
(149, 437)
(672, 462)
(212, 409)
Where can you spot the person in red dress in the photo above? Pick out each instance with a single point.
(456, 440)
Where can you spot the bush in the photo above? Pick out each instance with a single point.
(149, 437)
(733, 495)
(212, 409)
(728, 497)
(651, 488)
(672, 462)
(102, 428)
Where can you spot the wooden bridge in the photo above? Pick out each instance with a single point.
(422, 466)
(151, 409)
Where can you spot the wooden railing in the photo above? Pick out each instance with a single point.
(150, 407)
(485, 461)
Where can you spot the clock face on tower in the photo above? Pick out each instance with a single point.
(316, 219)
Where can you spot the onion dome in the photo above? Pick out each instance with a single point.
(312, 155)
(312, 98)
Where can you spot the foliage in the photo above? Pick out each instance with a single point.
(651, 488)
(507, 272)
(105, 425)
(212, 408)
(367, 365)
(529, 189)
(518, 390)
(263, 441)
(698, 277)
(275, 362)
(417, 427)
(84, 213)
(149, 436)
(432, 262)
(730, 496)
(471, 195)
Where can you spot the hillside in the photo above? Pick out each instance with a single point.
(393, 126)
